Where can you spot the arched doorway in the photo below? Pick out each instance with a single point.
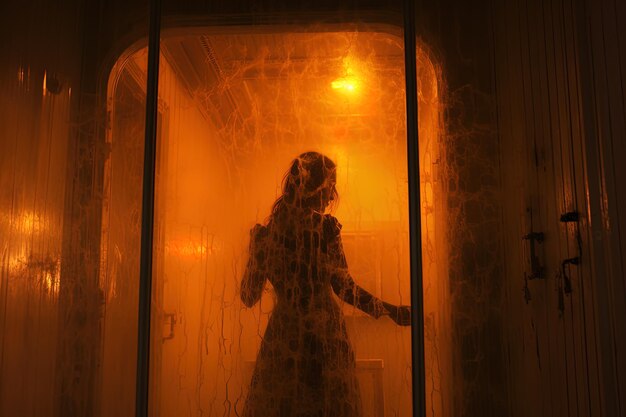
(236, 105)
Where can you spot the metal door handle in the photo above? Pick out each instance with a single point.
(535, 265)
(571, 217)
(172, 320)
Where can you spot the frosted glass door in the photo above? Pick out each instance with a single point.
(239, 105)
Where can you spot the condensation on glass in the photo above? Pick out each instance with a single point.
(33, 154)
(236, 106)
(52, 135)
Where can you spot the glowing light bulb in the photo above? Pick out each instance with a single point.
(349, 83)
(352, 77)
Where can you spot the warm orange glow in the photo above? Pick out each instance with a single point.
(16, 263)
(45, 270)
(351, 79)
(30, 222)
(227, 149)
(51, 282)
(191, 249)
(346, 83)
(26, 223)
(44, 82)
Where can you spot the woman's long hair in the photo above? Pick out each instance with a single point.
(304, 181)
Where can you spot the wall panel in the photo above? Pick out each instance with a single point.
(560, 102)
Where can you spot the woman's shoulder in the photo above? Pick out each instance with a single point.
(332, 227)
(259, 231)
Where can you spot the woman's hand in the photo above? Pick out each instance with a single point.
(399, 314)
(403, 316)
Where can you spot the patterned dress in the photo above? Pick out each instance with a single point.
(306, 365)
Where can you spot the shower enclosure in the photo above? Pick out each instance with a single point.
(236, 105)
(502, 233)
(238, 98)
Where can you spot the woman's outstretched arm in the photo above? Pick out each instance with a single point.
(345, 287)
(254, 276)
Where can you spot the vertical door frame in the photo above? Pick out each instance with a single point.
(147, 213)
(415, 230)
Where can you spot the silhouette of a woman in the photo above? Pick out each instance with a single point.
(306, 365)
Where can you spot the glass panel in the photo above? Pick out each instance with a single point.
(242, 107)
(121, 229)
(52, 156)
(237, 105)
